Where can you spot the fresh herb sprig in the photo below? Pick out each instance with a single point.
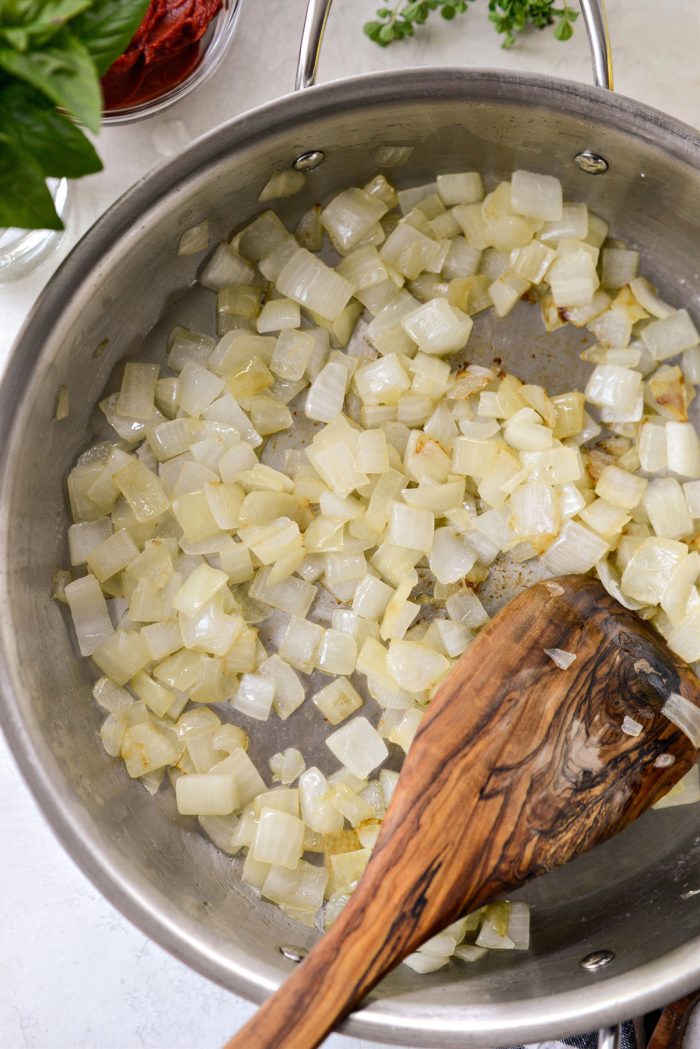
(509, 17)
(52, 54)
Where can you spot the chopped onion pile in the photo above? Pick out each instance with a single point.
(191, 529)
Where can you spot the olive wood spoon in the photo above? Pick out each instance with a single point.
(517, 767)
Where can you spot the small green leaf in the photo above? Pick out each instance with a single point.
(24, 201)
(64, 72)
(372, 30)
(37, 16)
(35, 126)
(107, 28)
(563, 30)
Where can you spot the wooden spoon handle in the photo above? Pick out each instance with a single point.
(343, 966)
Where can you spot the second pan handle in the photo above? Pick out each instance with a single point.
(317, 12)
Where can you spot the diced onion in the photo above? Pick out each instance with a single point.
(204, 530)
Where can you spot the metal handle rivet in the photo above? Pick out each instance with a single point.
(591, 163)
(309, 161)
(596, 960)
(293, 954)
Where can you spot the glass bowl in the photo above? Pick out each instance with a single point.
(213, 47)
(22, 250)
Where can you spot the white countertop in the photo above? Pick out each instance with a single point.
(75, 974)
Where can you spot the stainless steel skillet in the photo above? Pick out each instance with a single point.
(124, 279)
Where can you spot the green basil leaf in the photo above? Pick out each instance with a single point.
(107, 28)
(64, 72)
(24, 199)
(30, 25)
(32, 124)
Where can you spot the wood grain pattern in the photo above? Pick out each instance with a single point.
(517, 767)
(669, 1032)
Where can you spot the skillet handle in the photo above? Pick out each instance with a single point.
(317, 12)
(595, 20)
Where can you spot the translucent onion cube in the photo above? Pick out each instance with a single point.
(199, 388)
(620, 487)
(249, 782)
(358, 746)
(299, 890)
(156, 697)
(371, 597)
(672, 335)
(316, 811)
(225, 267)
(465, 187)
(338, 653)
(577, 549)
(289, 692)
(347, 868)
(691, 490)
(382, 381)
(455, 637)
(573, 279)
(305, 279)
(199, 589)
(423, 963)
(680, 586)
(338, 700)
(611, 386)
(121, 656)
(278, 315)
(137, 394)
(86, 535)
(532, 261)
(91, 619)
(112, 555)
(372, 452)
(465, 607)
(507, 291)
(649, 569)
(538, 196)
(684, 639)
(161, 639)
(209, 794)
(553, 465)
(350, 215)
(145, 748)
(415, 667)
(437, 327)
(618, 266)
(409, 251)
(667, 509)
(326, 395)
(603, 517)
(682, 449)
(652, 447)
(301, 644)
(268, 541)
(279, 838)
(292, 354)
(142, 490)
(287, 765)
(254, 696)
(410, 526)
(535, 510)
(450, 558)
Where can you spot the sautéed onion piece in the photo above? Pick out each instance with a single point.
(420, 475)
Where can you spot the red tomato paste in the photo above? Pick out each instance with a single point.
(165, 49)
